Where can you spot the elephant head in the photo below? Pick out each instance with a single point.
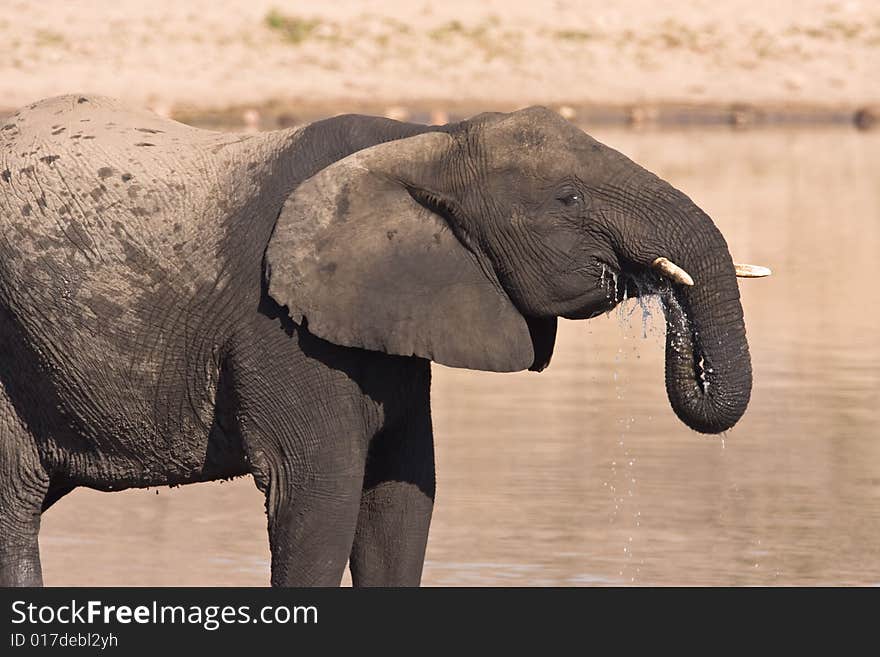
(464, 245)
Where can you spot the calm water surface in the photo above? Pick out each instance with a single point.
(582, 475)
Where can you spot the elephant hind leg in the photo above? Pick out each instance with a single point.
(23, 487)
(19, 531)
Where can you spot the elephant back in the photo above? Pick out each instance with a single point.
(114, 250)
(91, 188)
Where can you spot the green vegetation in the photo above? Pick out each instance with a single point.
(573, 35)
(292, 28)
(47, 38)
(489, 38)
(484, 36)
(833, 29)
(389, 33)
(447, 31)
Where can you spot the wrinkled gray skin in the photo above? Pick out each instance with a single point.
(178, 305)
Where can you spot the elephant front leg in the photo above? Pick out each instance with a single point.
(396, 506)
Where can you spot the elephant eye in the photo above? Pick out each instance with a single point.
(570, 198)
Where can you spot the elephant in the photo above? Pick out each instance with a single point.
(179, 305)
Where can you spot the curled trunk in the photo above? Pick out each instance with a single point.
(708, 368)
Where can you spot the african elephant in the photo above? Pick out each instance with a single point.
(179, 305)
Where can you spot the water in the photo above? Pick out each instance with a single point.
(582, 475)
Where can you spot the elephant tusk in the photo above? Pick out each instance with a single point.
(751, 271)
(672, 271)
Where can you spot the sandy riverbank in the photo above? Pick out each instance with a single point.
(204, 55)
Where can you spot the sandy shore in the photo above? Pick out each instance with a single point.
(293, 61)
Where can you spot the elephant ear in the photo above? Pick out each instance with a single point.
(358, 260)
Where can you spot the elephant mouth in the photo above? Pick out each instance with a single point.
(632, 282)
(623, 281)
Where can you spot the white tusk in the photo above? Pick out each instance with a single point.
(751, 271)
(672, 271)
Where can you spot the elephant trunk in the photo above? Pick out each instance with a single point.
(708, 368)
